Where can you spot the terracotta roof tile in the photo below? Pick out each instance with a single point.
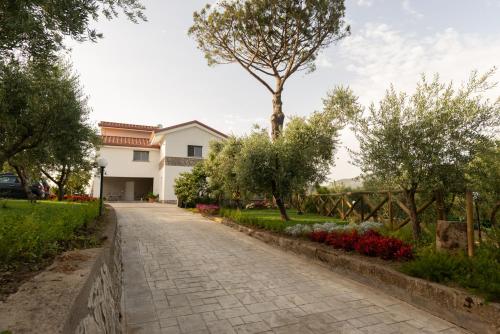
(127, 141)
(128, 126)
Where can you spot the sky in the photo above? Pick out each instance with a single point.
(152, 73)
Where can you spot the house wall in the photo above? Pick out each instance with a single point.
(175, 145)
(121, 164)
(178, 141)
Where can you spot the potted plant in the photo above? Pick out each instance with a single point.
(152, 197)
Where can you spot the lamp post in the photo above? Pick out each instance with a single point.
(102, 163)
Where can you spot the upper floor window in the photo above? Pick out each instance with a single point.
(141, 156)
(195, 151)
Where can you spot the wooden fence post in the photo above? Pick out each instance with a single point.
(470, 222)
(391, 213)
(362, 208)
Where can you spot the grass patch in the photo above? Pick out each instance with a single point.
(30, 233)
(270, 219)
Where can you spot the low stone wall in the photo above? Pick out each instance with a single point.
(97, 308)
(454, 305)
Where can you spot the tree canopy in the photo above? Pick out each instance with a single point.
(44, 121)
(426, 141)
(270, 39)
(38, 27)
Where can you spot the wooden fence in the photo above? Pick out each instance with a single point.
(385, 206)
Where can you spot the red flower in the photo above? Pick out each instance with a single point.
(371, 243)
(318, 236)
(343, 240)
(210, 209)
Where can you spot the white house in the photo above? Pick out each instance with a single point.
(144, 158)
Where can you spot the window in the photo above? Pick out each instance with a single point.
(141, 156)
(195, 151)
(8, 179)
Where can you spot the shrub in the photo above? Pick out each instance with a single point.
(370, 243)
(343, 240)
(318, 236)
(481, 274)
(208, 209)
(79, 198)
(298, 230)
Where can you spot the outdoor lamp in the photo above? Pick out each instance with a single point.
(102, 163)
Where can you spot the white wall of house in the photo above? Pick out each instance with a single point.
(121, 164)
(176, 143)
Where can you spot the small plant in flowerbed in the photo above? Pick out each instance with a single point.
(208, 209)
(363, 239)
(79, 198)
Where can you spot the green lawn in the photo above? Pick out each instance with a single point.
(270, 219)
(30, 233)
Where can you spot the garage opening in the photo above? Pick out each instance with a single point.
(127, 188)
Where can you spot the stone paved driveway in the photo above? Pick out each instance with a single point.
(186, 274)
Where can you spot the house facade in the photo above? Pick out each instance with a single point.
(143, 159)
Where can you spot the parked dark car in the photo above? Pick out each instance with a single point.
(11, 187)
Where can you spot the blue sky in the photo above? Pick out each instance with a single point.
(152, 73)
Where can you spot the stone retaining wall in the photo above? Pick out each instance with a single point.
(454, 305)
(97, 308)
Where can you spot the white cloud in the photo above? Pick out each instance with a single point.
(407, 7)
(364, 3)
(323, 61)
(379, 55)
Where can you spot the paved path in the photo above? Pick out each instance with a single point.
(186, 274)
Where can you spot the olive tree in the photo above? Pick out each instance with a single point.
(45, 126)
(299, 158)
(38, 27)
(220, 168)
(270, 39)
(191, 187)
(426, 140)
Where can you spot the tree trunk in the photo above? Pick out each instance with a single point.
(60, 192)
(281, 207)
(277, 118)
(412, 206)
(493, 216)
(440, 207)
(25, 182)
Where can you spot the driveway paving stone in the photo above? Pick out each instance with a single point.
(186, 274)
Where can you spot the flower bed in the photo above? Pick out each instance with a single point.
(369, 243)
(208, 209)
(362, 238)
(79, 198)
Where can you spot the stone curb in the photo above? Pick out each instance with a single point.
(454, 305)
(97, 307)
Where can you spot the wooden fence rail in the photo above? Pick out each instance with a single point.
(385, 206)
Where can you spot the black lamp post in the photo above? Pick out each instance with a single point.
(102, 163)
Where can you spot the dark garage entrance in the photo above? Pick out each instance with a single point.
(127, 188)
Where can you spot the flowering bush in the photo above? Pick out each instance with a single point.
(318, 236)
(208, 209)
(369, 226)
(298, 230)
(343, 240)
(370, 243)
(79, 198)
